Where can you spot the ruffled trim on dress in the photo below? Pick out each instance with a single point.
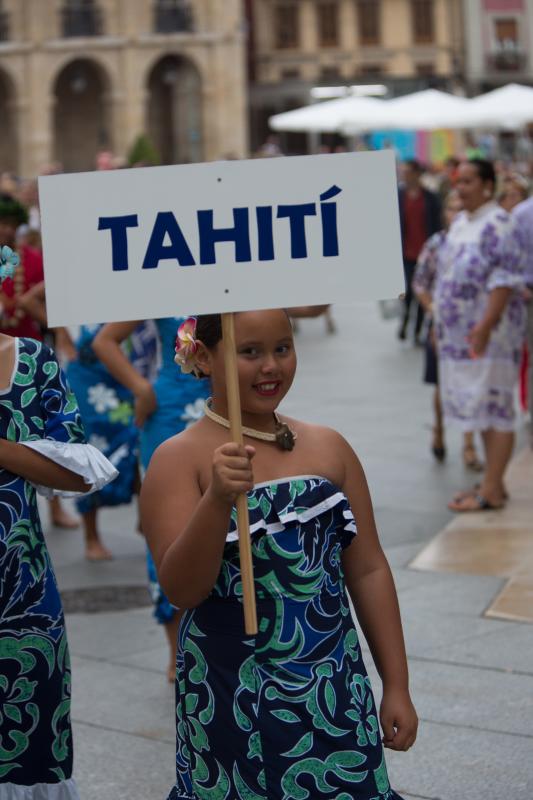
(65, 790)
(273, 506)
(83, 459)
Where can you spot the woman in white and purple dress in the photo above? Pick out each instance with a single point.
(480, 321)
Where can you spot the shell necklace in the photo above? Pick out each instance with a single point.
(283, 436)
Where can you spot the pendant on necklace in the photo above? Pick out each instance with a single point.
(284, 436)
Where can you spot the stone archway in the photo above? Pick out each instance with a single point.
(82, 115)
(9, 160)
(174, 110)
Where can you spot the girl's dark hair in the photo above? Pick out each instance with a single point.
(485, 169)
(209, 329)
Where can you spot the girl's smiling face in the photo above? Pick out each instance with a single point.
(266, 361)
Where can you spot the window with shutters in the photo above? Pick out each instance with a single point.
(328, 23)
(81, 18)
(369, 19)
(287, 26)
(423, 18)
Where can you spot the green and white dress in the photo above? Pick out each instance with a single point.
(38, 410)
(287, 714)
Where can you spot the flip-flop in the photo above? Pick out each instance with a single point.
(482, 504)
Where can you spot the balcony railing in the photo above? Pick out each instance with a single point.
(85, 21)
(4, 26)
(173, 17)
(507, 61)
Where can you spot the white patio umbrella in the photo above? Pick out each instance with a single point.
(509, 107)
(330, 116)
(429, 109)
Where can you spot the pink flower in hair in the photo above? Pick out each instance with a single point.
(186, 345)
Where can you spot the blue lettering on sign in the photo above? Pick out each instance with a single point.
(209, 236)
(167, 229)
(166, 225)
(119, 237)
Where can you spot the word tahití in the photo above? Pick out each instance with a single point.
(167, 240)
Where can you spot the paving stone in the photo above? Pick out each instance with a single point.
(467, 697)
(508, 647)
(134, 701)
(115, 634)
(454, 763)
(112, 765)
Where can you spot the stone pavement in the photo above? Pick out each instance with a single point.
(471, 675)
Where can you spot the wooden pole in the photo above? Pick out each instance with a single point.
(243, 522)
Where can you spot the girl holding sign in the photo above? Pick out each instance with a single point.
(287, 714)
(42, 447)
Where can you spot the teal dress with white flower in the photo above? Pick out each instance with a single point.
(107, 410)
(287, 714)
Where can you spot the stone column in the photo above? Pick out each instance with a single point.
(38, 134)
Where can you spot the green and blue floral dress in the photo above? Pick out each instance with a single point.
(287, 714)
(38, 410)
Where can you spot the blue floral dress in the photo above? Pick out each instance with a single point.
(288, 714)
(482, 251)
(39, 410)
(107, 410)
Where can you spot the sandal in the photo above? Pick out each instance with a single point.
(458, 496)
(477, 503)
(470, 459)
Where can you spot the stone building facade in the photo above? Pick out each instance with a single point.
(297, 44)
(80, 76)
(499, 39)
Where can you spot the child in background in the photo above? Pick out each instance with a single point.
(287, 714)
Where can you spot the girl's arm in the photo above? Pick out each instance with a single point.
(371, 587)
(186, 531)
(37, 469)
(106, 345)
(33, 303)
(64, 344)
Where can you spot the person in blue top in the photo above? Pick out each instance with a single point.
(163, 407)
(287, 714)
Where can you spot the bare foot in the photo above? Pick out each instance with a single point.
(95, 551)
(62, 519)
(171, 673)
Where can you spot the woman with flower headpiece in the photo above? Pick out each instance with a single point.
(163, 407)
(42, 449)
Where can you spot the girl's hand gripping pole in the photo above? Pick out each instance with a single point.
(243, 523)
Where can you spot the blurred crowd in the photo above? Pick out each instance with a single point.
(466, 236)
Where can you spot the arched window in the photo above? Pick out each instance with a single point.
(81, 18)
(173, 16)
(4, 23)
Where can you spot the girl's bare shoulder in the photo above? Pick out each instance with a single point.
(320, 434)
(325, 450)
(186, 447)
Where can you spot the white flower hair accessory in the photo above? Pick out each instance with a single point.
(186, 346)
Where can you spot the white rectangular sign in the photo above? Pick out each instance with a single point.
(216, 237)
